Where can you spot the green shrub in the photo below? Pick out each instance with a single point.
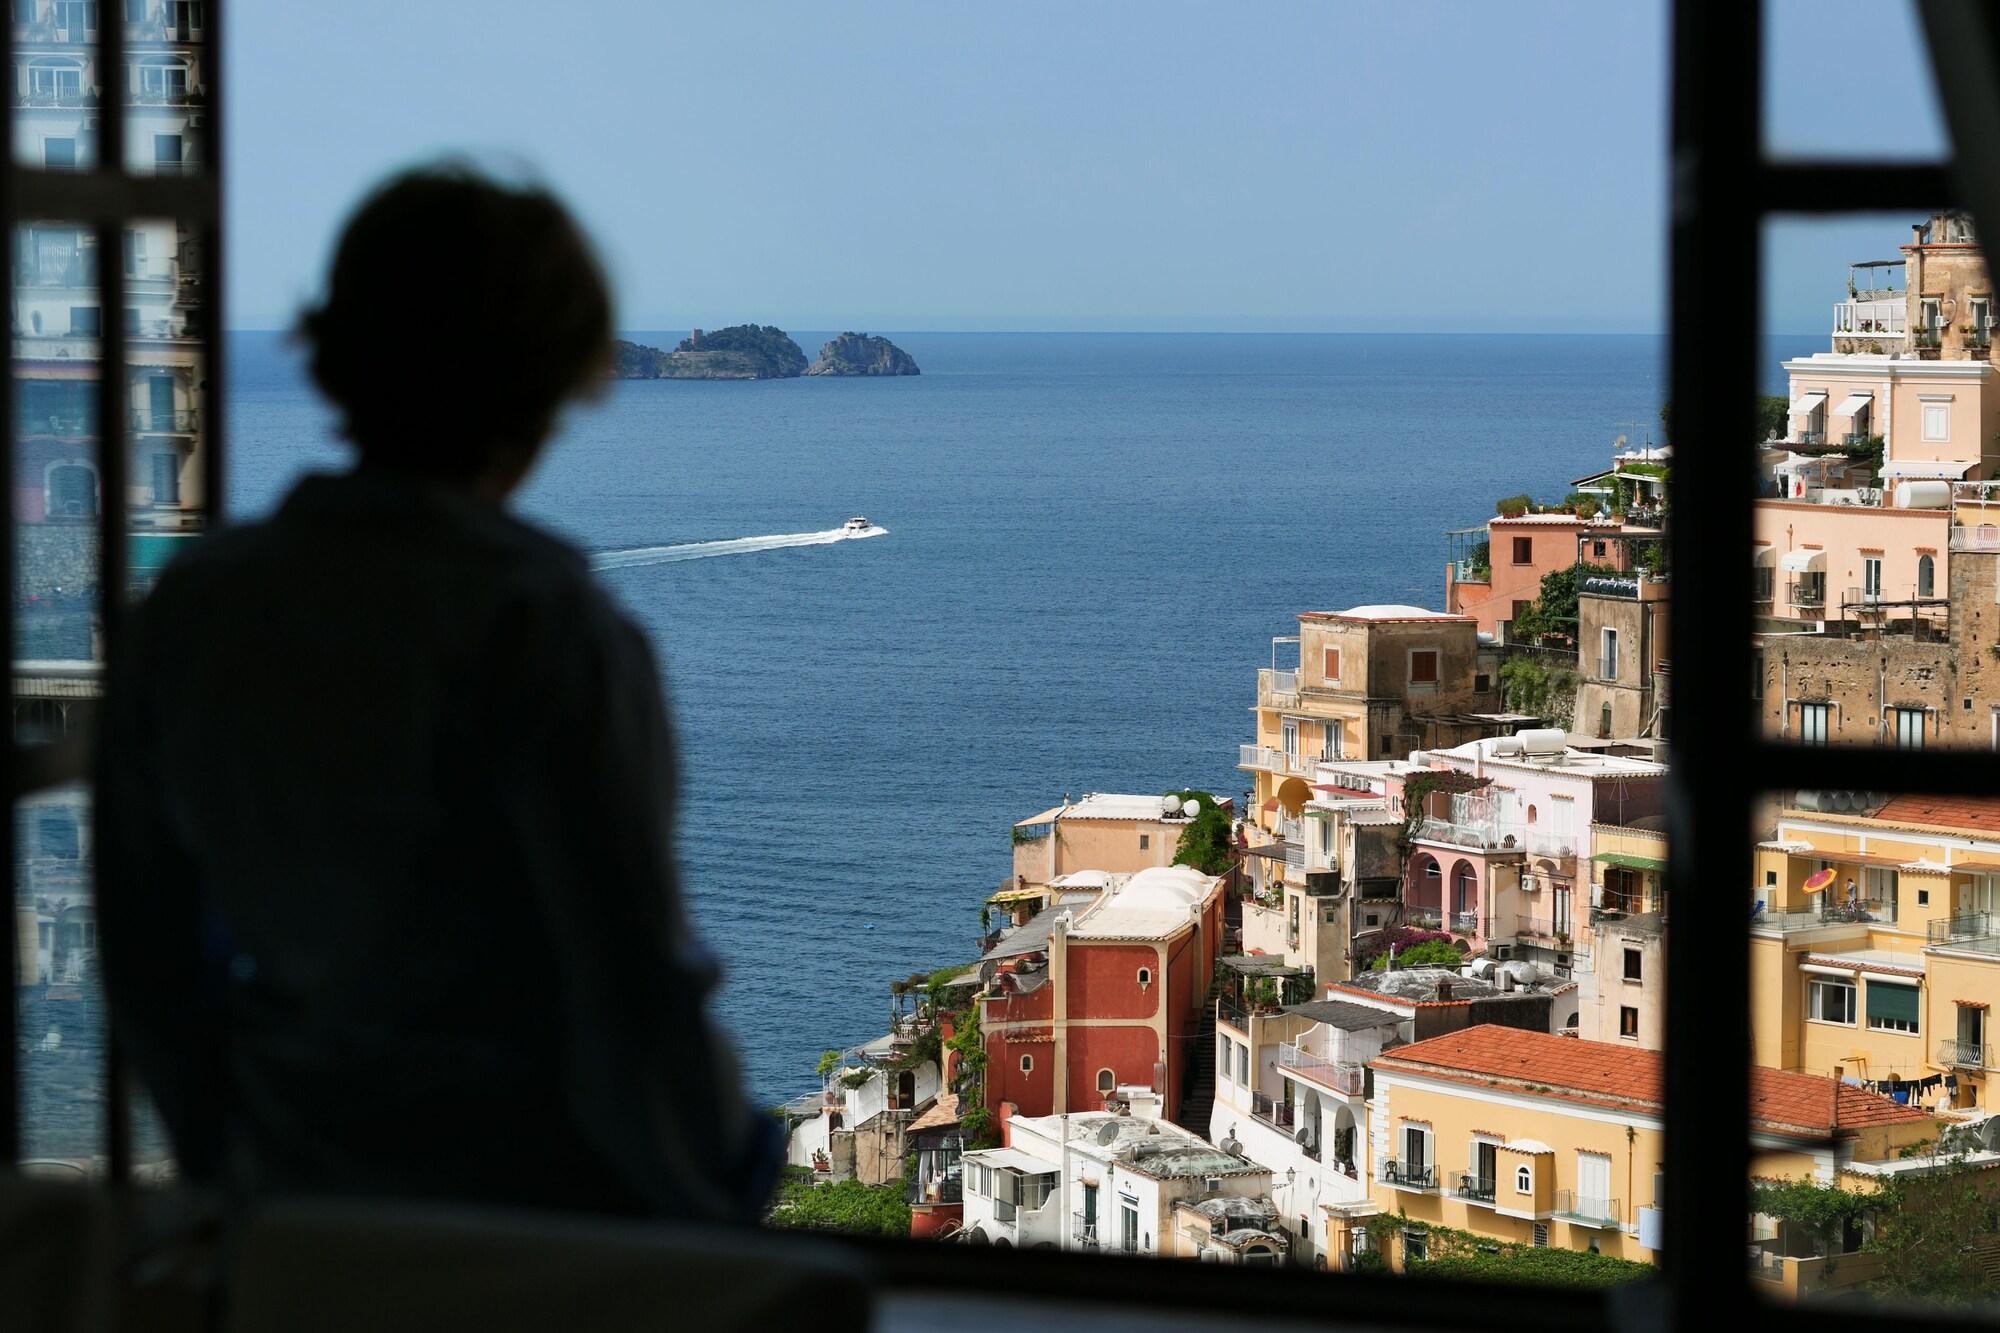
(1431, 953)
(1513, 506)
(848, 1206)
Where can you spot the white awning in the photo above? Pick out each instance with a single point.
(1013, 1159)
(1936, 469)
(1806, 402)
(1533, 1146)
(1798, 562)
(1760, 556)
(1046, 817)
(1854, 402)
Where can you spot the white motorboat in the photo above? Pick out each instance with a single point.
(857, 524)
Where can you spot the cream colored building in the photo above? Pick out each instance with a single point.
(1550, 1141)
(1074, 850)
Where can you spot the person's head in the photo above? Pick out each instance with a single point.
(460, 316)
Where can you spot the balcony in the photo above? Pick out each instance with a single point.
(1265, 759)
(1083, 1231)
(1964, 1055)
(1964, 926)
(163, 423)
(1984, 537)
(1416, 1179)
(1424, 918)
(1278, 689)
(1808, 595)
(1808, 437)
(1879, 317)
(1474, 1189)
(60, 97)
(176, 97)
(1342, 1076)
(1279, 1115)
(1465, 923)
(1584, 1210)
(1235, 1015)
(1483, 835)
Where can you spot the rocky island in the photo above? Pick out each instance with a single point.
(740, 352)
(861, 354)
(757, 352)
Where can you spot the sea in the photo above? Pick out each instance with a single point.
(1091, 542)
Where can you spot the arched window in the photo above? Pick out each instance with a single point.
(1145, 976)
(70, 491)
(1604, 722)
(55, 83)
(1926, 576)
(1027, 1064)
(1524, 1180)
(1107, 1082)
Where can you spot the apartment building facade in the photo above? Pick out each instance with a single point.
(1875, 943)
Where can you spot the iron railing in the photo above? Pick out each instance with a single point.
(1344, 1076)
(1964, 1055)
(1476, 1189)
(1589, 1210)
(1962, 926)
(1409, 1177)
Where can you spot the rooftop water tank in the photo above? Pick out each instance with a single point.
(1542, 740)
(1923, 495)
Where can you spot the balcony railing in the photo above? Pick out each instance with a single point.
(1807, 594)
(1876, 317)
(1587, 1210)
(1465, 923)
(1476, 1189)
(1233, 1014)
(164, 423)
(1426, 918)
(1489, 835)
(1983, 537)
(1295, 854)
(1084, 1230)
(1278, 689)
(1339, 1075)
(1964, 1055)
(1276, 1113)
(62, 97)
(1275, 761)
(1557, 845)
(1963, 926)
(1403, 1177)
(1809, 437)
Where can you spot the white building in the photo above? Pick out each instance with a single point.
(1298, 1104)
(1124, 1181)
(854, 1128)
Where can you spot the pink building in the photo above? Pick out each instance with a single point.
(1519, 552)
(1503, 852)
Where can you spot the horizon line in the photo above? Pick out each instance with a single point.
(884, 329)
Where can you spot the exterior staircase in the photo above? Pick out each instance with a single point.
(1198, 1087)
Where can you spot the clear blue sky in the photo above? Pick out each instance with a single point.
(1393, 165)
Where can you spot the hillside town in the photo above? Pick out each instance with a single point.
(1398, 1004)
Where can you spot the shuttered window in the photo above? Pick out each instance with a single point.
(1892, 1007)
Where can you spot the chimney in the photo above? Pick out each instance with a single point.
(1444, 988)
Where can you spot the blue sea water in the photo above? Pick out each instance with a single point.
(1092, 539)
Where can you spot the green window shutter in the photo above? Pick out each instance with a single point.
(1888, 1000)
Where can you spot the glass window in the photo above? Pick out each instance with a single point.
(1524, 550)
(1813, 723)
(1909, 727)
(1830, 1001)
(1926, 576)
(1633, 964)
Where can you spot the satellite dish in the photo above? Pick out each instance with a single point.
(1169, 804)
(1191, 808)
(1107, 1133)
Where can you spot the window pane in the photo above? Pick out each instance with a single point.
(1849, 78)
(56, 491)
(61, 1007)
(166, 378)
(56, 84)
(1877, 524)
(1875, 963)
(165, 90)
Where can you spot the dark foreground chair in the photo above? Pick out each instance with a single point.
(55, 1256)
(313, 1267)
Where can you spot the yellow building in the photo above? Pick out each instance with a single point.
(1542, 1140)
(1072, 852)
(1875, 943)
(1373, 682)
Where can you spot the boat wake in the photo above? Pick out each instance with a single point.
(668, 555)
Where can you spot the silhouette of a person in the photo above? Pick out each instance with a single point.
(387, 881)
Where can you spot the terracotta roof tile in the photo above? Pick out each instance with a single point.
(1607, 1074)
(1958, 812)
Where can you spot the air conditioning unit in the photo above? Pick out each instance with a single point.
(1503, 951)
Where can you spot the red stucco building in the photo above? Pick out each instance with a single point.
(1106, 996)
